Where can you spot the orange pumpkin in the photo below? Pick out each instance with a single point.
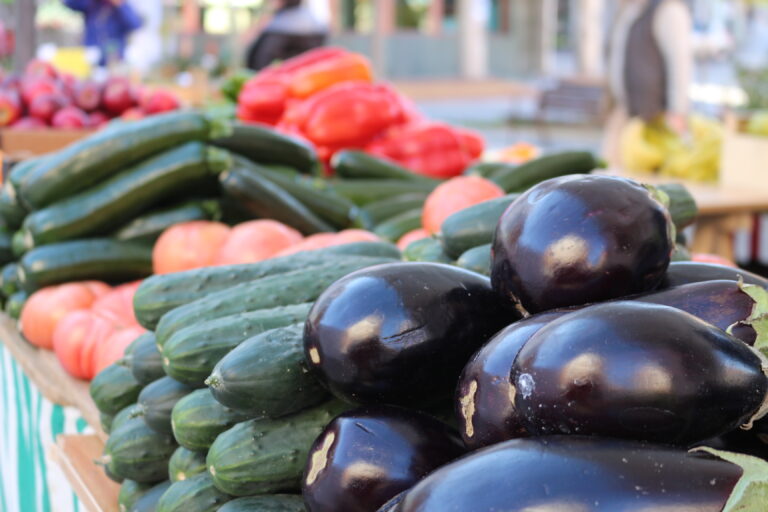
(47, 306)
(188, 245)
(454, 195)
(75, 339)
(356, 235)
(117, 305)
(316, 241)
(113, 348)
(411, 236)
(256, 240)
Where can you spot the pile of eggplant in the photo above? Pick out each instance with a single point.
(587, 374)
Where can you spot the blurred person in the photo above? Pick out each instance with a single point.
(650, 67)
(145, 45)
(107, 25)
(293, 29)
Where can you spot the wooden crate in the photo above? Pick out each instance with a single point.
(20, 144)
(744, 160)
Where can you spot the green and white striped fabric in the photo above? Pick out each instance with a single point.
(29, 424)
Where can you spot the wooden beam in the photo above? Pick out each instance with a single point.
(25, 33)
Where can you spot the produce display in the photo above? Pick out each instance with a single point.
(42, 97)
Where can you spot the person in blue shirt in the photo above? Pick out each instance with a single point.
(107, 25)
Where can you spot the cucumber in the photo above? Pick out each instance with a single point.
(80, 260)
(146, 361)
(198, 419)
(195, 494)
(682, 206)
(266, 503)
(395, 227)
(185, 464)
(277, 290)
(137, 452)
(426, 249)
(96, 210)
(488, 169)
(363, 192)
(107, 152)
(114, 388)
(130, 491)
(191, 353)
(262, 456)
(351, 163)
(268, 146)
(148, 501)
(15, 303)
(477, 259)
(255, 194)
(157, 401)
(473, 226)
(161, 293)
(105, 420)
(125, 414)
(266, 375)
(332, 208)
(9, 279)
(6, 250)
(381, 210)
(524, 176)
(148, 227)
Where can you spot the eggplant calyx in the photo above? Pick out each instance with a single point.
(758, 317)
(662, 198)
(750, 492)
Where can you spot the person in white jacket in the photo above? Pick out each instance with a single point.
(650, 67)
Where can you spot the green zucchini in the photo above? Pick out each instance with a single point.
(20, 171)
(157, 401)
(351, 163)
(198, 419)
(365, 191)
(161, 293)
(6, 250)
(262, 456)
(12, 212)
(488, 169)
(96, 210)
(522, 177)
(195, 494)
(268, 146)
(125, 414)
(130, 491)
(266, 503)
(477, 259)
(107, 152)
(473, 226)
(276, 290)
(682, 206)
(255, 194)
(395, 227)
(105, 420)
(15, 303)
(148, 501)
(266, 375)
(78, 260)
(185, 464)
(191, 353)
(146, 361)
(383, 209)
(137, 452)
(9, 279)
(148, 227)
(681, 253)
(426, 249)
(114, 388)
(330, 207)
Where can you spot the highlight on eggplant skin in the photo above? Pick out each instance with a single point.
(637, 371)
(687, 272)
(366, 456)
(580, 239)
(576, 473)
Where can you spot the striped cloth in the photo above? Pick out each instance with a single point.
(29, 424)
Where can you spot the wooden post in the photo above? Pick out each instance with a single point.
(25, 33)
(590, 36)
(547, 34)
(435, 17)
(383, 24)
(473, 38)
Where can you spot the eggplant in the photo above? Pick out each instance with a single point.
(577, 474)
(484, 409)
(580, 239)
(393, 503)
(366, 456)
(686, 272)
(640, 371)
(400, 333)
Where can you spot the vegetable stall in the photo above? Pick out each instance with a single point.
(329, 302)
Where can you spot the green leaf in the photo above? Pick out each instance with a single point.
(750, 494)
(758, 317)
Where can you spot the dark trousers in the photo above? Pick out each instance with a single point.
(272, 46)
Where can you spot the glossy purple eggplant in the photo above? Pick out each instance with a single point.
(367, 456)
(401, 333)
(580, 239)
(686, 272)
(576, 474)
(392, 504)
(721, 303)
(639, 371)
(484, 405)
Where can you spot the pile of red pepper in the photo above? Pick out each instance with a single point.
(328, 97)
